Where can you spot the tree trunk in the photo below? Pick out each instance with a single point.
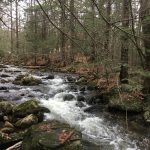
(72, 30)
(108, 27)
(11, 28)
(124, 43)
(62, 36)
(145, 13)
(93, 44)
(17, 32)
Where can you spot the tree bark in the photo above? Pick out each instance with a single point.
(62, 36)
(124, 43)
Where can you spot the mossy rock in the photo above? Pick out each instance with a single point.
(6, 107)
(27, 80)
(29, 107)
(27, 121)
(47, 136)
(132, 105)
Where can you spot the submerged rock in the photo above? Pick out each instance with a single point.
(52, 136)
(27, 80)
(27, 121)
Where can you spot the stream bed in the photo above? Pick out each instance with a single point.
(100, 129)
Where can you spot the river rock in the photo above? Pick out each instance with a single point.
(3, 88)
(29, 107)
(27, 80)
(7, 130)
(27, 121)
(71, 79)
(68, 97)
(6, 107)
(52, 135)
(8, 124)
(51, 76)
(80, 98)
(80, 104)
(5, 75)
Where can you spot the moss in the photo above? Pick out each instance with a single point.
(26, 108)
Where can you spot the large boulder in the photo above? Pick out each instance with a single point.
(27, 121)
(52, 136)
(6, 107)
(29, 107)
(27, 80)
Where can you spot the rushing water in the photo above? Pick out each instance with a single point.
(96, 129)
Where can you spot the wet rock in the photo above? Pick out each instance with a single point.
(68, 97)
(6, 107)
(71, 79)
(7, 130)
(73, 88)
(3, 88)
(9, 140)
(27, 80)
(5, 75)
(80, 104)
(80, 98)
(82, 89)
(27, 121)
(52, 136)
(29, 107)
(50, 76)
(8, 124)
